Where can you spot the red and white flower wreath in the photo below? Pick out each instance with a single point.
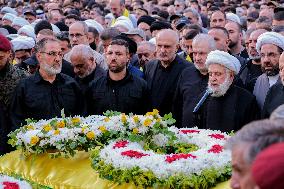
(7, 182)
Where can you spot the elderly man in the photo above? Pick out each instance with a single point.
(145, 52)
(246, 144)
(193, 81)
(78, 34)
(85, 66)
(163, 73)
(269, 46)
(275, 95)
(119, 90)
(46, 93)
(235, 105)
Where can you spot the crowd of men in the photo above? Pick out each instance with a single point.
(212, 64)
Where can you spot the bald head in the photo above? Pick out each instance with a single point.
(168, 34)
(78, 33)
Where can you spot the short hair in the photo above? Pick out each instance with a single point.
(264, 19)
(43, 24)
(279, 16)
(85, 51)
(193, 27)
(220, 28)
(73, 16)
(191, 34)
(109, 33)
(249, 31)
(205, 38)
(83, 24)
(46, 32)
(40, 45)
(278, 29)
(221, 12)
(259, 135)
(63, 36)
(94, 31)
(147, 43)
(120, 42)
(193, 11)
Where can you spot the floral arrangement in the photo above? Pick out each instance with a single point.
(66, 135)
(7, 182)
(202, 166)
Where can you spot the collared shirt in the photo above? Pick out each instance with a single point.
(38, 99)
(127, 95)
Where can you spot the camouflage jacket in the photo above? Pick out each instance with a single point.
(9, 78)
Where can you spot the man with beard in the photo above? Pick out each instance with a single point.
(224, 106)
(270, 46)
(46, 93)
(145, 53)
(275, 95)
(85, 66)
(162, 74)
(193, 81)
(253, 67)
(119, 90)
(235, 35)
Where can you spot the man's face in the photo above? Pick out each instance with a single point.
(220, 79)
(4, 58)
(281, 67)
(241, 170)
(85, 14)
(117, 58)
(105, 44)
(270, 59)
(253, 54)
(220, 38)
(77, 35)
(234, 33)
(187, 44)
(56, 17)
(65, 48)
(6, 22)
(217, 19)
(166, 48)
(139, 13)
(116, 8)
(82, 66)
(136, 38)
(50, 58)
(179, 6)
(21, 55)
(146, 28)
(200, 52)
(145, 54)
(277, 23)
(69, 21)
(203, 10)
(30, 18)
(191, 17)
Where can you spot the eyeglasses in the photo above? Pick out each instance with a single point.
(53, 53)
(77, 35)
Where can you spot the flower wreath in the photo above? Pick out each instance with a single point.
(124, 161)
(7, 182)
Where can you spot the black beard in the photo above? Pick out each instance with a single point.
(93, 45)
(272, 72)
(232, 44)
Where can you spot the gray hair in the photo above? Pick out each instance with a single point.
(85, 51)
(147, 43)
(205, 38)
(40, 45)
(258, 135)
(278, 113)
(85, 26)
(109, 33)
(193, 11)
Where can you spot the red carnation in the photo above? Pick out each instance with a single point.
(217, 136)
(186, 131)
(175, 157)
(133, 154)
(120, 144)
(216, 149)
(11, 185)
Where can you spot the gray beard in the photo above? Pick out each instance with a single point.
(50, 70)
(222, 89)
(254, 57)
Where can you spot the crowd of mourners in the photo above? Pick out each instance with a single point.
(213, 64)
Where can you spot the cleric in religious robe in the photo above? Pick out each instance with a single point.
(224, 106)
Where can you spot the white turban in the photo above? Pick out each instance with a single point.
(270, 38)
(19, 21)
(124, 22)
(9, 16)
(23, 43)
(27, 30)
(55, 29)
(5, 10)
(233, 17)
(95, 24)
(225, 59)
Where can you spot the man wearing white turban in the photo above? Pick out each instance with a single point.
(224, 106)
(269, 46)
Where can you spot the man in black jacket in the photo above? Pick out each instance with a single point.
(163, 73)
(119, 90)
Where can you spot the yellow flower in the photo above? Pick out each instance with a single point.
(90, 135)
(84, 128)
(60, 124)
(34, 140)
(107, 119)
(30, 127)
(102, 128)
(135, 130)
(158, 120)
(47, 127)
(123, 118)
(56, 132)
(136, 119)
(155, 112)
(147, 122)
(75, 120)
(149, 113)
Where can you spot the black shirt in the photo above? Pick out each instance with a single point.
(250, 72)
(85, 82)
(163, 81)
(127, 95)
(39, 99)
(191, 84)
(274, 98)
